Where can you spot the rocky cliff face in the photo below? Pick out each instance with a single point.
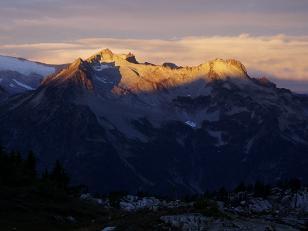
(121, 125)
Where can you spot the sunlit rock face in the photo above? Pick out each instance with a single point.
(121, 125)
(75, 74)
(138, 77)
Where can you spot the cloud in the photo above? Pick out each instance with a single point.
(54, 31)
(56, 20)
(280, 56)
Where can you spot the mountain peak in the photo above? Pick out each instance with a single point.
(101, 67)
(106, 51)
(237, 64)
(76, 74)
(106, 55)
(130, 57)
(231, 68)
(77, 63)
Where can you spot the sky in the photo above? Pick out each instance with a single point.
(270, 37)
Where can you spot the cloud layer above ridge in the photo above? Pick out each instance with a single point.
(280, 56)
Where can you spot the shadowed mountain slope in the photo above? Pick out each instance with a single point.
(118, 124)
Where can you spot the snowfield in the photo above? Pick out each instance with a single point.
(24, 67)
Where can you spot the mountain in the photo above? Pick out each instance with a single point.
(19, 75)
(121, 125)
(3, 94)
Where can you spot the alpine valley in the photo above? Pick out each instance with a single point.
(121, 125)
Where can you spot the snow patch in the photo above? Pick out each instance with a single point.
(109, 229)
(23, 85)
(191, 124)
(101, 67)
(103, 80)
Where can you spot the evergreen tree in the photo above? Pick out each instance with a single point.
(261, 190)
(1, 151)
(15, 158)
(45, 175)
(30, 165)
(59, 176)
(3, 166)
(222, 194)
(295, 184)
(15, 173)
(241, 187)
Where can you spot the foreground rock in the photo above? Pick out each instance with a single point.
(282, 209)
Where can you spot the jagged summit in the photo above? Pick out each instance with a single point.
(78, 61)
(107, 56)
(106, 51)
(237, 64)
(130, 57)
(77, 74)
(121, 73)
(170, 65)
(219, 68)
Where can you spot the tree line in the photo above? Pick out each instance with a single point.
(19, 172)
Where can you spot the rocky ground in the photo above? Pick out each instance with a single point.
(281, 210)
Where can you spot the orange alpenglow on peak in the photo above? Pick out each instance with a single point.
(76, 63)
(141, 77)
(165, 76)
(75, 74)
(106, 55)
